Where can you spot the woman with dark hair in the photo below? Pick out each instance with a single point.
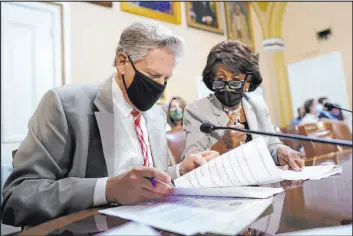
(322, 110)
(232, 72)
(301, 114)
(311, 112)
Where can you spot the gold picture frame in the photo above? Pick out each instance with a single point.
(174, 16)
(198, 12)
(104, 4)
(242, 10)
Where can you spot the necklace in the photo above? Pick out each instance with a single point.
(236, 112)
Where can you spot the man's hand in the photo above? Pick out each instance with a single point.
(133, 186)
(193, 161)
(290, 159)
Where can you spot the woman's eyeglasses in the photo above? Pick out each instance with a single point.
(234, 84)
(220, 84)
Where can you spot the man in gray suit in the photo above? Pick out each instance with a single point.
(94, 145)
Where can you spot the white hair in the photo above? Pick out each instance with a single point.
(140, 38)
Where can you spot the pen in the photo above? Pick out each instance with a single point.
(153, 181)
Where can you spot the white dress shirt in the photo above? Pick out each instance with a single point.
(127, 151)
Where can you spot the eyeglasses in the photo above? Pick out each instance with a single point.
(220, 84)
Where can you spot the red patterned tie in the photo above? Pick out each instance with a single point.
(139, 133)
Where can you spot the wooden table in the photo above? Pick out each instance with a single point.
(304, 205)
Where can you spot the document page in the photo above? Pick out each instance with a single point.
(248, 164)
(189, 215)
(311, 172)
(240, 192)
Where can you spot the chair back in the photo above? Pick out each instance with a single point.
(320, 130)
(176, 144)
(292, 143)
(341, 130)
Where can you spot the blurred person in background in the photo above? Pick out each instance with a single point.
(301, 113)
(323, 112)
(337, 113)
(312, 111)
(175, 114)
(176, 136)
(232, 72)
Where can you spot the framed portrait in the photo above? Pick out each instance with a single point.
(163, 11)
(239, 24)
(104, 4)
(204, 15)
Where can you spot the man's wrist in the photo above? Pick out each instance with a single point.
(110, 201)
(99, 197)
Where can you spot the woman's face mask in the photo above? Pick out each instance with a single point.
(176, 113)
(230, 98)
(319, 107)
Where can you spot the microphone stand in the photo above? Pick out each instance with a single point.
(292, 136)
(330, 105)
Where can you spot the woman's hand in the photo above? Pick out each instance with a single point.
(193, 161)
(233, 138)
(290, 159)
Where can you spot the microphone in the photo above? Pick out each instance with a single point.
(208, 128)
(329, 106)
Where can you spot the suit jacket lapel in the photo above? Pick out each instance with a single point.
(250, 116)
(154, 138)
(105, 121)
(221, 116)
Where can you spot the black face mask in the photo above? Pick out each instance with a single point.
(230, 98)
(143, 92)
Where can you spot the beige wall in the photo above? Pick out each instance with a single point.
(93, 42)
(95, 32)
(301, 22)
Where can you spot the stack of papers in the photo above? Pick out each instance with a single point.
(239, 192)
(222, 187)
(249, 164)
(190, 215)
